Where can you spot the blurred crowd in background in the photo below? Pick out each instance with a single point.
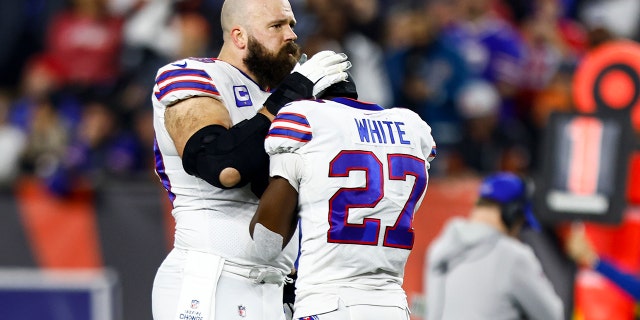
(76, 76)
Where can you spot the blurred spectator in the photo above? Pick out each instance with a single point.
(427, 74)
(514, 11)
(582, 252)
(599, 35)
(99, 148)
(68, 137)
(333, 33)
(477, 268)
(85, 39)
(144, 134)
(167, 30)
(488, 145)
(157, 32)
(149, 25)
(23, 25)
(399, 29)
(621, 17)
(47, 138)
(366, 18)
(12, 144)
(493, 49)
(44, 113)
(552, 41)
(12, 27)
(555, 44)
(556, 95)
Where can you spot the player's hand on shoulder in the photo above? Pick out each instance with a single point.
(308, 79)
(324, 69)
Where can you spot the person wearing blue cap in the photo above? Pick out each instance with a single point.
(478, 269)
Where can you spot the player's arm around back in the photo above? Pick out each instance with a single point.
(274, 222)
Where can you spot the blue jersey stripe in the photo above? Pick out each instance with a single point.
(182, 73)
(160, 170)
(358, 104)
(187, 85)
(293, 117)
(303, 136)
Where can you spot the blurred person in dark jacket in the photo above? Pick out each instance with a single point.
(427, 74)
(487, 145)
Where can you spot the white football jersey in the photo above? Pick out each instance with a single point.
(207, 218)
(361, 172)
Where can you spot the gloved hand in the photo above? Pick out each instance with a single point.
(323, 69)
(309, 78)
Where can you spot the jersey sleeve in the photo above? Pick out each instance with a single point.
(181, 80)
(427, 143)
(289, 131)
(288, 166)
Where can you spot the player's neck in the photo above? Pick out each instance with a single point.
(489, 216)
(234, 58)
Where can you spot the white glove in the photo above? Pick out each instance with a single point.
(323, 69)
(309, 78)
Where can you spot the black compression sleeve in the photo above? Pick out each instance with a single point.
(197, 144)
(214, 148)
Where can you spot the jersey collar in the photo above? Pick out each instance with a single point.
(358, 104)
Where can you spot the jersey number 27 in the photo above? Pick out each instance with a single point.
(400, 235)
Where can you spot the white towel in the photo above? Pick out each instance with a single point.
(201, 275)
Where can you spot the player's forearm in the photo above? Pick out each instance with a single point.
(277, 207)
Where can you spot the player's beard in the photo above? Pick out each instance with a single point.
(270, 68)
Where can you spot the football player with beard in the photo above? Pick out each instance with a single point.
(211, 116)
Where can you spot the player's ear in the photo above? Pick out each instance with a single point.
(239, 37)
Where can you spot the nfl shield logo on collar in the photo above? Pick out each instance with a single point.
(242, 311)
(195, 304)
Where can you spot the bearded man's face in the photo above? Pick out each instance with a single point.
(270, 67)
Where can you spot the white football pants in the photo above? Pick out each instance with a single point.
(236, 296)
(362, 312)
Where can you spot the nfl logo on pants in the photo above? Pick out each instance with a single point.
(242, 311)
